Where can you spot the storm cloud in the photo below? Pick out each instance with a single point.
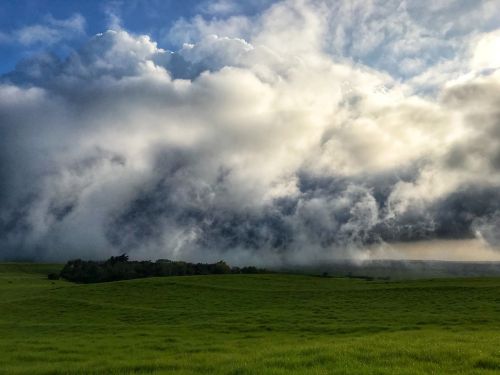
(285, 137)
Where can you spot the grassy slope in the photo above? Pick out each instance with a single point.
(247, 324)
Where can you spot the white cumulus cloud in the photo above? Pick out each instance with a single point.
(261, 144)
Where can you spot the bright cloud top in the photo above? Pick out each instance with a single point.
(310, 131)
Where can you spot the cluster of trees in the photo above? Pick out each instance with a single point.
(120, 268)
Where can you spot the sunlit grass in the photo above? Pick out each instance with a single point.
(247, 324)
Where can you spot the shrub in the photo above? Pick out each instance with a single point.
(53, 276)
(120, 268)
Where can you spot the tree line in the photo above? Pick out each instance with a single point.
(121, 268)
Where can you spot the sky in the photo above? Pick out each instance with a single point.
(258, 132)
(60, 26)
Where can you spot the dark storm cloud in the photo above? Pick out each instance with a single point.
(266, 150)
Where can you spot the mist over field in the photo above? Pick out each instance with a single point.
(295, 132)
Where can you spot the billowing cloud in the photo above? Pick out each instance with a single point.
(257, 141)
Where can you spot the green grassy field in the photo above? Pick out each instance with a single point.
(247, 324)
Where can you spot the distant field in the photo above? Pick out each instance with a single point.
(247, 324)
(404, 269)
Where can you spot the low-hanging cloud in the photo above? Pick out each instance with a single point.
(265, 146)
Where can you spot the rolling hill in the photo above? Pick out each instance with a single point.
(247, 324)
